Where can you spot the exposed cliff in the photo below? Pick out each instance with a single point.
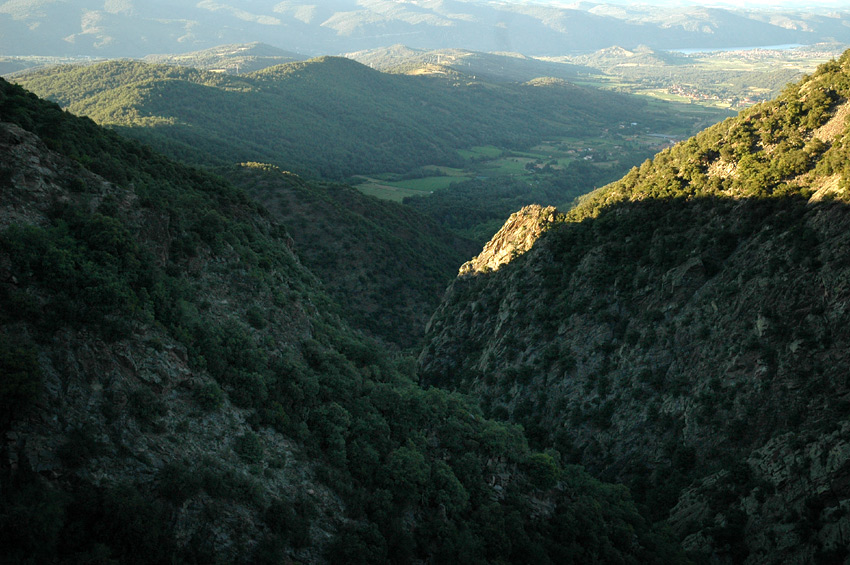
(514, 238)
(685, 330)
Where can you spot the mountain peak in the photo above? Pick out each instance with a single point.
(323, 64)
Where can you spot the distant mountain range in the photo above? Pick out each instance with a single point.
(130, 28)
(231, 58)
(496, 67)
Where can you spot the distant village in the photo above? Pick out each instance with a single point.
(694, 94)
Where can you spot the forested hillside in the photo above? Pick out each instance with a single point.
(684, 330)
(322, 117)
(387, 264)
(177, 388)
(207, 359)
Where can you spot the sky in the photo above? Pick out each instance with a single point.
(779, 4)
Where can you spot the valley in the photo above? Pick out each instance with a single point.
(550, 284)
(545, 138)
(721, 78)
(286, 109)
(177, 386)
(609, 153)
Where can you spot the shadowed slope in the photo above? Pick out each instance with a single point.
(685, 330)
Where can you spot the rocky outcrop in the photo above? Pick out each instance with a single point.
(516, 237)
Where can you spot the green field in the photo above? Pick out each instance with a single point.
(507, 166)
(491, 162)
(487, 151)
(385, 187)
(386, 192)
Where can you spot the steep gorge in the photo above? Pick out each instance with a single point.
(176, 387)
(387, 264)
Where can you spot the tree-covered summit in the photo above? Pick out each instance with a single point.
(795, 145)
(330, 117)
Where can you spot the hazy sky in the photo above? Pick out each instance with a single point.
(794, 4)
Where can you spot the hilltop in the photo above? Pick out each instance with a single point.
(234, 58)
(684, 330)
(322, 118)
(490, 67)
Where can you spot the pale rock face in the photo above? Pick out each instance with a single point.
(516, 237)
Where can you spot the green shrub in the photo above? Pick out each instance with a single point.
(147, 408)
(31, 520)
(358, 545)
(248, 389)
(209, 396)
(543, 470)
(290, 521)
(144, 403)
(255, 317)
(249, 447)
(20, 379)
(177, 481)
(80, 446)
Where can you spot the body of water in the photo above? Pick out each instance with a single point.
(692, 50)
